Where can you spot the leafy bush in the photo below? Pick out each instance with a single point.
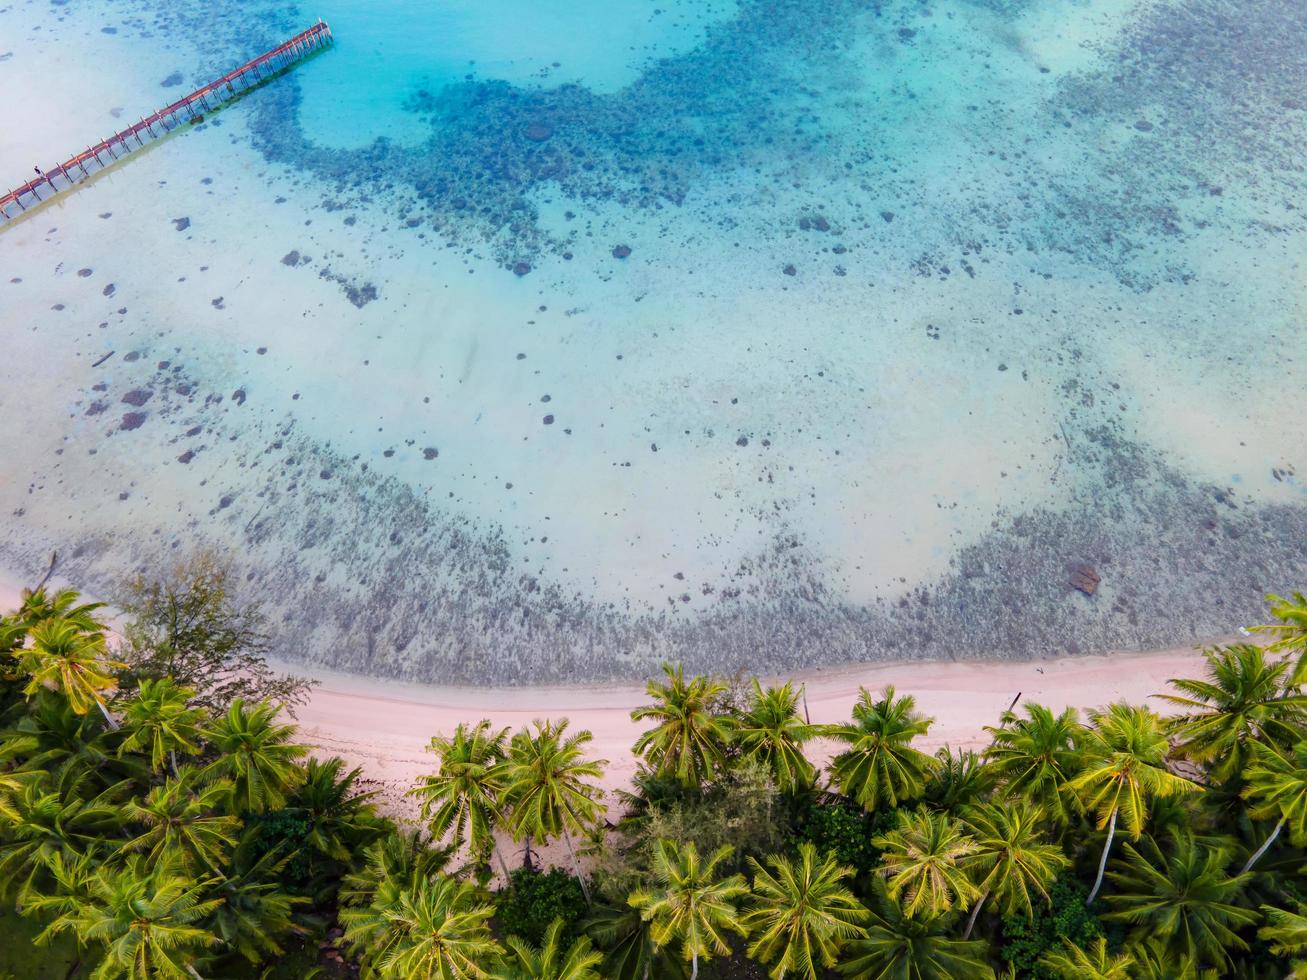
(533, 900)
(840, 828)
(1026, 940)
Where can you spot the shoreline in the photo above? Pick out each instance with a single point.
(384, 726)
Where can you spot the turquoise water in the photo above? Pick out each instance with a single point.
(524, 341)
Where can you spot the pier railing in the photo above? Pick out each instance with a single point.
(80, 167)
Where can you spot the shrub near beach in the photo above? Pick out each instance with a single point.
(153, 829)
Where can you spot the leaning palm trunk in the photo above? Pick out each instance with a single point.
(1265, 846)
(1102, 862)
(975, 911)
(694, 965)
(576, 868)
(107, 717)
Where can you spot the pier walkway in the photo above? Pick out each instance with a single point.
(192, 108)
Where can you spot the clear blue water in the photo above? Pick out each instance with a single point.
(523, 341)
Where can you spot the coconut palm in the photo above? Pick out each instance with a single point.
(338, 818)
(629, 950)
(75, 750)
(1073, 962)
(64, 657)
(1124, 771)
(1033, 758)
(160, 723)
(550, 787)
(256, 912)
(436, 929)
(880, 767)
(1185, 901)
(1012, 862)
(256, 755)
(923, 863)
(1289, 630)
(900, 947)
(690, 738)
(40, 604)
(1244, 700)
(1276, 789)
(771, 732)
(41, 824)
(1286, 932)
(462, 799)
(186, 818)
(688, 906)
(147, 919)
(959, 778)
(391, 866)
(803, 913)
(553, 961)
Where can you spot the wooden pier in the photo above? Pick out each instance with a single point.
(192, 108)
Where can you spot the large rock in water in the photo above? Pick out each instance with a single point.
(1085, 578)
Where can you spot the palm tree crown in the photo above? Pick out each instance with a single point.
(690, 738)
(803, 913)
(256, 755)
(1011, 861)
(160, 723)
(64, 657)
(923, 864)
(1243, 701)
(771, 732)
(553, 961)
(1035, 757)
(462, 799)
(688, 905)
(880, 767)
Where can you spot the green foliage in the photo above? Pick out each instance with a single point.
(1025, 941)
(533, 900)
(838, 828)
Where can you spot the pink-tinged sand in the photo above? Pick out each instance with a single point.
(384, 727)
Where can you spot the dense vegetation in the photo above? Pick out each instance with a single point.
(161, 824)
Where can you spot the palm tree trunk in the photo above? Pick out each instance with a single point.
(971, 922)
(107, 717)
(1265, 844)
(172, 761)
(694, 968)
(1102, 862)
(576, 868)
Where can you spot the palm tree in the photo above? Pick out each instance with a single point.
(159, 722)
(772, 733)
(688, 905)
(256, 911)
(186, 818)
(923, 864)
(339, 819)
(690, 739)
(75, 750)
(1286, 932)
(803, 913)
(1012, 862)
(63, 657)
(146, 918)
(958, 779)
(391, 866)
(1290, 630)
(629, 950)
(1243, 701)
(881, 767)
(1033, 758)
(1277, 790)
(256, 756)
(1184, 901)
(552, 961)
(463, 797)
(42, 825)
(38, 605)
(436, 929)
(900, 946)
(1125, 769)
(550, 788)
(1071, 962)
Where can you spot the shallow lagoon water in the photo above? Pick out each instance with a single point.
(926, 305)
